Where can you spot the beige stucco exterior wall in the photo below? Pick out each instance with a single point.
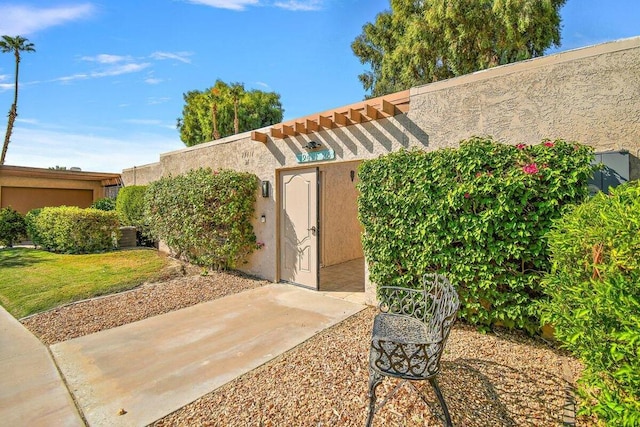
(240, 153)
(589, 95)
(341, 230)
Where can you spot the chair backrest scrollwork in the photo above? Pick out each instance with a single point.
(436, 303)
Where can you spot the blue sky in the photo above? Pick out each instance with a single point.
(104, 88)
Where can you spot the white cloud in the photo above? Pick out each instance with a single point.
(153, 80)
(116, 66)
(66, 79)
(121, 69)
(47, 148)
(105, 58)
(25, 20)
(226, 4)
(178, 56)
(27, 121)
(300, 5)
(263, 84)
(148, 122)
(156, 100)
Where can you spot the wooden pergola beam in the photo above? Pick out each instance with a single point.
(276, 133)
(289, 130)
(325, 122)
(364, 111)
(355, 116)
(388, 107)
(371, 112)
(300, 128)
(259, 136)
(311, 125)
(340, 119)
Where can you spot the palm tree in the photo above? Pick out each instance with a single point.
(215, 99)
(236, 90)
(16, 45)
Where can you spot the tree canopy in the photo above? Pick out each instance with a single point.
(422, 41)
(226, 109)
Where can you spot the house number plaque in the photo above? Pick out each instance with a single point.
(316, 156)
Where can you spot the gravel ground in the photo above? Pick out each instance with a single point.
(501, 379)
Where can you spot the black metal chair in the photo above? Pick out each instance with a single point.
(409, 335)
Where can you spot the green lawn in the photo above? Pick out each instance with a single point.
(32, 280)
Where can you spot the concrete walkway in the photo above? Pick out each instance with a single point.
(31, 390)
(137, 373)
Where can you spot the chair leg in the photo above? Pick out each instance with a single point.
(374, 381)
(443, 405)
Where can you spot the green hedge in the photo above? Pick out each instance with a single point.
(204, 216)
(31, 226)
(476, 214)
(104, 204)
(594, 303)
(130, 205)
(12, 226)
(73, 230)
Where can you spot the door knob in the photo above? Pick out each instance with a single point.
(312, 230)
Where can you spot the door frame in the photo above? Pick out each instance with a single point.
(279, 213)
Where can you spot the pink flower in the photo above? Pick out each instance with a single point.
(260, 245)
(530, 169)
(478, 174)
(467, 195)
(548, 144)
(521, 146)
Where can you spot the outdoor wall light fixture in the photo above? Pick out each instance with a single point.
(265, 188)
(263, 218)
(312, 145)
(353, 175)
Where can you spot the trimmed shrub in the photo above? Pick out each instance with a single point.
(204, 216)
(476, 214)
(31, 227)
(12, 226)
(130, 205)
(594, 300)
(104, 204)
(69, 229)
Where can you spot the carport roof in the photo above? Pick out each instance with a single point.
(105, 178)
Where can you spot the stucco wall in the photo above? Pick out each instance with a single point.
(341, 230)
(588, 95)
(241, 153)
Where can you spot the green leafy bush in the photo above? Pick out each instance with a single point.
(31, 227)
(69, 229)
(594, 300)
(204, 216)
(104, 204)
(12, 226)
(476, 214)
(130, 205)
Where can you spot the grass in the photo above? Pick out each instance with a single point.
(32, 281)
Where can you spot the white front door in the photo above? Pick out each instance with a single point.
(299, 227)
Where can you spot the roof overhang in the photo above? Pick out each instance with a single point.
(105, 178)
(366, 111)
